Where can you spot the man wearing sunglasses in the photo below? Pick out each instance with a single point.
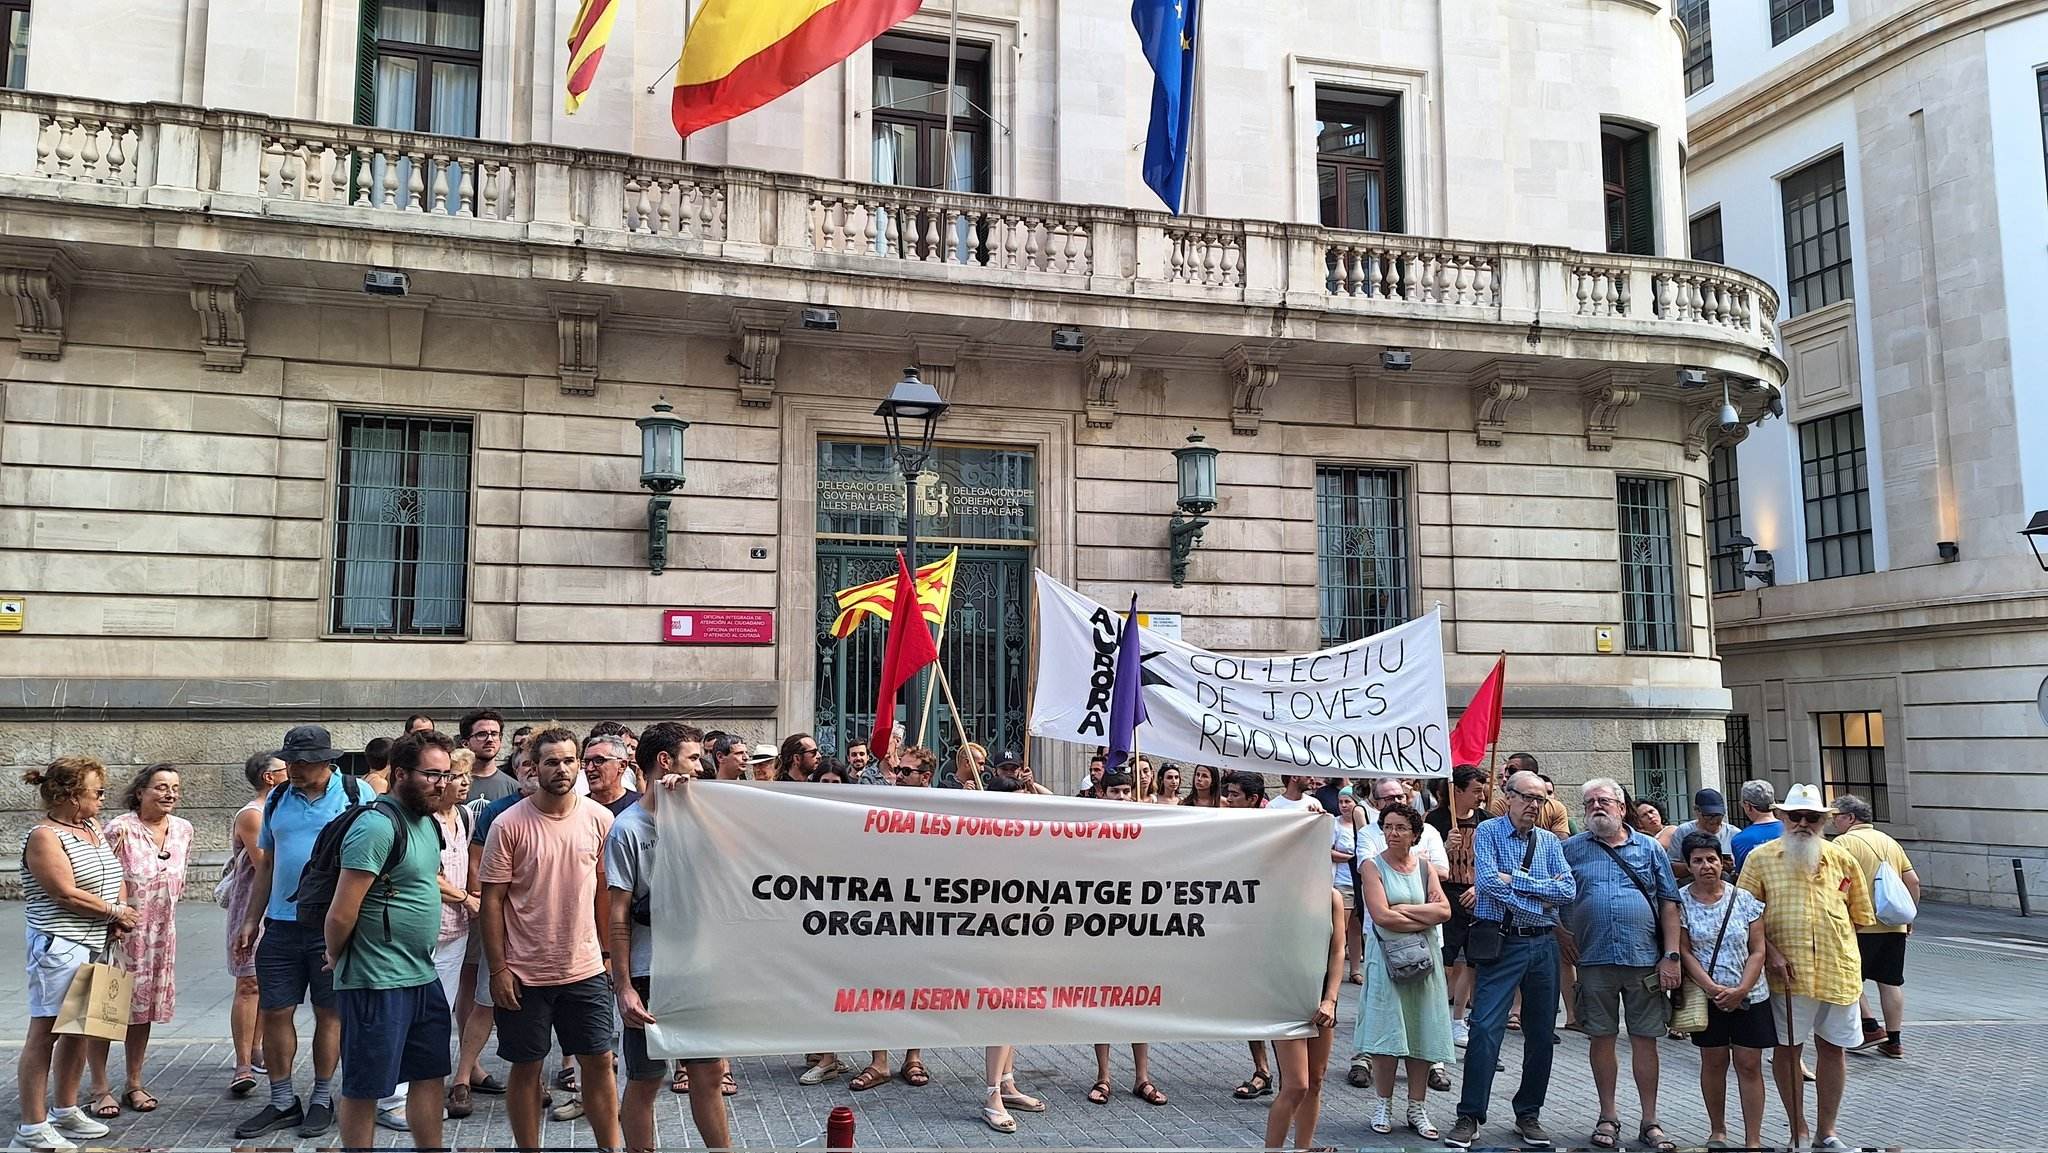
(1814, 894)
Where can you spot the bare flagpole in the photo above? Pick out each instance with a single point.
(952, 73)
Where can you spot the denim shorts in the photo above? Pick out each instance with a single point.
(52, 962)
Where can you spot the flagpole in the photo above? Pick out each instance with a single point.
(952, 72)
(931, 684)
(1031, 681)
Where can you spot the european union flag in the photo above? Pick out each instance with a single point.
(1166, 30)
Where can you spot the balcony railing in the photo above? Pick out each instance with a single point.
(236, 163)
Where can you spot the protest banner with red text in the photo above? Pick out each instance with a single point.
(805, 918)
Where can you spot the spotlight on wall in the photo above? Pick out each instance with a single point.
(1766, 570)
(821, 319)
(1069, 340)
(385, 282)
(1397, 360)
(1690, 379)
(1777, 404)
(1947, 550)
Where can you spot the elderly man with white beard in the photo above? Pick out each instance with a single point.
(1814, 895)
(1624, 920)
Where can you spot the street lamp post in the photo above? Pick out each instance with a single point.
(661, 472)
(1195, 470)
(910, 415)
(2036, 532)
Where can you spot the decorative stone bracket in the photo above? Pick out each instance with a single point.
(221, 292)
(1605, 398)
(578, 319)
(1492, 398)
(756, 343)
(39, 280)
(1703, 431)
(1254, 369)
(938, 361)
(1108, 366)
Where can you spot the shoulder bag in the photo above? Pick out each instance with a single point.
(1407, 954)
(1483, 942)
(1689, 1001)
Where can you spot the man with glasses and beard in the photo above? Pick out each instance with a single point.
(483, 733)
(1814, 896)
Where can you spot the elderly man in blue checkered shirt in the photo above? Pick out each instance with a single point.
(1521, 879)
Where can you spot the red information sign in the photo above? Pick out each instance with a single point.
(718, 626)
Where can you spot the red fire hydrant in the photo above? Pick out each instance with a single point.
(839, 1128)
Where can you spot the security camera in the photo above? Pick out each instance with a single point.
(821, 319)
(1777, 404)
(1069, 340)
(385, 282)
(1692, 378)
(1397, 360)
(1731, 420)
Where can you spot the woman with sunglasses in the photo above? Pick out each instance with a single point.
(152, 845)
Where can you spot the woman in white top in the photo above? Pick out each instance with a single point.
(1721, 947)
(1350, 822)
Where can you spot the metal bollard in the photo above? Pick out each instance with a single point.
(2019, 884)
(839, 1128)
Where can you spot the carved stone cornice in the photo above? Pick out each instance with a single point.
(1107, 367)
(938, 361)
(578, 319)
(756, 344)
(40, 282)
(1254, 369)
(1703, 431)
(1605, 396)
(1495, 393)
(221, 292)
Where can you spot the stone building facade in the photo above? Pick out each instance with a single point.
(238, 492)
(1882, 165)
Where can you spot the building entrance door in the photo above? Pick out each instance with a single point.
(982, 500)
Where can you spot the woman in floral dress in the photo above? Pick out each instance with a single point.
(153, 846)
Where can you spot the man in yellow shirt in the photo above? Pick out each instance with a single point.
(1883, 947)
(1814, 895)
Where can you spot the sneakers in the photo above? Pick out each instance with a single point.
(1461, 1032)
(270, 1120)
(394, 1120)
(79, 1123)
(1894, 1049)
(43, 1136)
(1530, 1130)
(1462, 1134)
(568, 1110)
(821, 1072)
(1831, 1144)
(319, 1119)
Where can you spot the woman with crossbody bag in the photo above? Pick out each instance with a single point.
(1405, 1013)
(1721, 948)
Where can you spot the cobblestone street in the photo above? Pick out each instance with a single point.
(1971, 1080)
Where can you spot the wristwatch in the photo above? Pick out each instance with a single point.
(1671, 956)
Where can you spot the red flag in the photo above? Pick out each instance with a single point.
(909, 649)
(1479, 725)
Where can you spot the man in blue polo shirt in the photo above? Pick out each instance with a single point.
(291, 957)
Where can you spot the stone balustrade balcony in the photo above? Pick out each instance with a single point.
(937, 253)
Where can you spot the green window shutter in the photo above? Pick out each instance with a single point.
(1390, 151)
(369, 17)
(1642, 219)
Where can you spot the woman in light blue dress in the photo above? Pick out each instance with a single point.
(1408, 1020)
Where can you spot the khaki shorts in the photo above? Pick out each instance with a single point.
(1608, 993)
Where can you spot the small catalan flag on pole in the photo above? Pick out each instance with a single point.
(587, 39)
(740, 54)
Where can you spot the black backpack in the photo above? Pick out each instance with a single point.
(323, 868)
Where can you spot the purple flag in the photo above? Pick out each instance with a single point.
(1126, 693)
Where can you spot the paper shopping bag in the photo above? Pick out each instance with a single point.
(97, 1003)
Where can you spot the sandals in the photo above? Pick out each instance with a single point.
(998, 1118)
(489, 1085)
(1257, 1085)
(868, 1078)
(138, 1100)
(1355, 978)
(565, 1080)
(245, 1080)
(727, 1086)
(1514, 1022)
(459, 1103)
(1606, 1134)
(915, 1074)
(108, 1111)
(1660, 1142)
(681, 1082)
(1383, 1115)
(1098, 1094)
(1149, 1093)
(1418, 1122)
(1015, 1098)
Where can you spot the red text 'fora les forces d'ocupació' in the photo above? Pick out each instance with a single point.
(909, 823)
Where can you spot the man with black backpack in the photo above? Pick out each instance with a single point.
(291, 955)
(383, 921)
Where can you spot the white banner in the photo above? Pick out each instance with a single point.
(1372, 708)
(803, 918)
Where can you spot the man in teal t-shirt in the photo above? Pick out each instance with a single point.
(381, 932)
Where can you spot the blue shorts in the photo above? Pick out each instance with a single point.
(291, 962)
(391, 1036)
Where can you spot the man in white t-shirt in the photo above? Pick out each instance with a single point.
(1295, 794)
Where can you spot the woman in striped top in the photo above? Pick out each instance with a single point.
(74, 894)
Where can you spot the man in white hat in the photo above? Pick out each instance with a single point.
(1814, 893)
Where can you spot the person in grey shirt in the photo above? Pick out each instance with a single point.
(1711, 818)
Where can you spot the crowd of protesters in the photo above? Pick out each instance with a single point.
(497, 882)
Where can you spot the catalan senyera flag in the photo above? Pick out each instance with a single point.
(740, 54)
(878, 597)
(587, 39)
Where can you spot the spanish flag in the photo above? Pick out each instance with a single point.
(587, 39)
(740, 54)
(877, 598)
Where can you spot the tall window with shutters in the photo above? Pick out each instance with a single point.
(1358, 160)
(401, 526)
(1625, 168)
(419, 65)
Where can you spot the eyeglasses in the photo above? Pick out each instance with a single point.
(480, 735)
(1515, 794)
(1603, 803)
(809, 750)
(435, 775)
(1806, 818)
(602, 760)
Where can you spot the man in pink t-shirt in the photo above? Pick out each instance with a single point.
(543, 921)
